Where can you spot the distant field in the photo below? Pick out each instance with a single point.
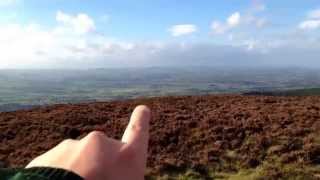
(27, 88)
(294, 92)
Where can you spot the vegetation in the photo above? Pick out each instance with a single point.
(268, 170)
(272, 167)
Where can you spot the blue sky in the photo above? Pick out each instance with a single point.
(95, 33)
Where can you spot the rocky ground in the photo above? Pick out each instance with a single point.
(198, 137)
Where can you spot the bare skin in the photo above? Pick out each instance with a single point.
(97, 157)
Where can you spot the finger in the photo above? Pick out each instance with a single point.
(136, 134)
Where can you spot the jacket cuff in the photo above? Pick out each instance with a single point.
(41, 173)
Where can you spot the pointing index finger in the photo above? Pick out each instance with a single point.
(137, 131)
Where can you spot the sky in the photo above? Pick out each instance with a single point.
(144, 33)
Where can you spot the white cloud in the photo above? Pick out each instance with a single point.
(315, 14)
(310, 24)
(80, 23)
(20, 44)
(183, 29)
(251, 18)
(218, 27)
(33, 45)
(232, 21)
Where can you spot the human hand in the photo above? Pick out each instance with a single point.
(97, 157)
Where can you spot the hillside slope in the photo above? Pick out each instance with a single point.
(199, 136)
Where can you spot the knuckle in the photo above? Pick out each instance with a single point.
(129, 154)
(67, 142)
(96, 136)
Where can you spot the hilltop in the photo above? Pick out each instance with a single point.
(217, 136)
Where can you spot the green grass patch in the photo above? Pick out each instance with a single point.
(271, 169)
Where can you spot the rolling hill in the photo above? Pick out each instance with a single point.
(192, 137)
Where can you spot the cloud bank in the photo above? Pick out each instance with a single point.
(75, 42)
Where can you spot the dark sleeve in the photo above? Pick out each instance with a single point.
(38, 173)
